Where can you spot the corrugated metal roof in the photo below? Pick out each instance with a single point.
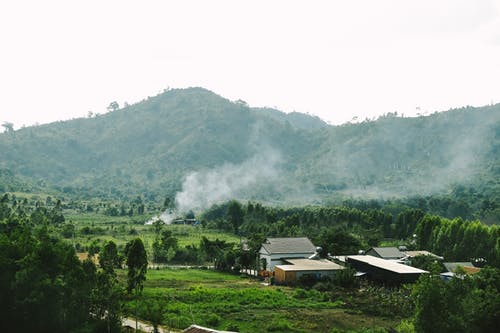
(309, 265)
(388, 252)
(387, 265)
(420, 253)
(289, 245)
(452, 266)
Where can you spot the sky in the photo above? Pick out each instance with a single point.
(339, 60)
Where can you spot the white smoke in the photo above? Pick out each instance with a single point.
(166, 217)
(202, 189)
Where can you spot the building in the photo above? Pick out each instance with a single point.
(388, 253)
(467, 267)
(385, 271)
(274, 251)
(296, 268)
(413, 254)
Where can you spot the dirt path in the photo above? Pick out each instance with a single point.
(145, 327)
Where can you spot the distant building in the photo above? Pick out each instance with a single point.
(274, 251)
(413, 254)
(296, 268)
(410, 255)
(382, 270)
(468, 267)
(389, 253)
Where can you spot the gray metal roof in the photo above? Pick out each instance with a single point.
(310, 265)
(388, 252)
(452, 266)
(387, 264)
(288, 245)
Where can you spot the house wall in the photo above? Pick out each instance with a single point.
(282, 276)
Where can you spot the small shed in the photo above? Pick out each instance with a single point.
(297, 268)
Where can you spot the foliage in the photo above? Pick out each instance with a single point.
(44, 287)
(137, 264)
(221, 300)
(194, 129)
(467, 304)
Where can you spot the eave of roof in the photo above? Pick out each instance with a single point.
(386, 264)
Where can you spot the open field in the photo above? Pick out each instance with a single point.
(121, 229)
(231, 302)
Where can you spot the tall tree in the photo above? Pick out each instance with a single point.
(108, 259)
(235, 215)
(137, 263)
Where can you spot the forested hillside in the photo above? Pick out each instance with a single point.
(209, 148)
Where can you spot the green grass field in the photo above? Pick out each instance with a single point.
(230, 302)
(122, 229)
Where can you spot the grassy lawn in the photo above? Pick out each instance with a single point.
(231, 302)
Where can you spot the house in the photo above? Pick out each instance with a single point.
(382, 270)
(201, 329)
(468, 267)
(388, 253)
(413, 254)
(274, 250)
(296, 268)
(410, 255)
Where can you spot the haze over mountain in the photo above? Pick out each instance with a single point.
(208, 149)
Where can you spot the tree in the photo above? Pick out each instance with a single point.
(164, 247)
(9, 127)
(113, 106)
(137, 263)
(155, 309)
(108, 259)
(337, 241)
(235, 215)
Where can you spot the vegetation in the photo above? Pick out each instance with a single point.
(37, 241)
(231, 302)
(182, 131)
(244, 174)
(44, 287)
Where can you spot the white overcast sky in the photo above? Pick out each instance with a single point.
(335, 59)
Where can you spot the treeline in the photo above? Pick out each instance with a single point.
(345, 230)
(464, 304)
(468, 202)
(43, 285)
(459, 240)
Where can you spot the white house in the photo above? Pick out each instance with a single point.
(274, 251)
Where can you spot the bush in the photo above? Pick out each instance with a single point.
(346, 278)
(279, 325)
(213, 320)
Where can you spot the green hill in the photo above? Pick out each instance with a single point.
(212, 149)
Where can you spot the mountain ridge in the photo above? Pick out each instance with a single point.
(152, 147)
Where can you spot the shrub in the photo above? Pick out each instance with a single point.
(279, 325)
(213, 319)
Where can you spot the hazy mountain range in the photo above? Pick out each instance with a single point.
(206, 148)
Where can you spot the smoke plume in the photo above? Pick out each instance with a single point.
(201, 189)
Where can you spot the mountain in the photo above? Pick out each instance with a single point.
(208, 148)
